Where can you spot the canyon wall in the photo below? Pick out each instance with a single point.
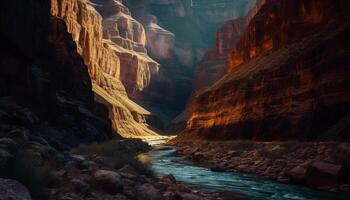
(45, 89)
(179, 32)
(288, 77)
(112, 45)
(214, 63)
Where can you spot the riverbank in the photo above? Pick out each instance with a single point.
(111, 171)
(320, 165)
(99, 171)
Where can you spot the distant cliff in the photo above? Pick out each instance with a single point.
(288, 77)
(214, 63)
(179, 32)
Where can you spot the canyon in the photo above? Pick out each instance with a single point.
(184, 32)
(120, 44)
(103, 99)
(271, 92)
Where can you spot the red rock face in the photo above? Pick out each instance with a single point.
(288, 77)
(283, 23)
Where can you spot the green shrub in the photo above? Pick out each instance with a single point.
(119, 153)
(113, 148)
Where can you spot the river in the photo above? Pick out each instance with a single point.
(164, 160)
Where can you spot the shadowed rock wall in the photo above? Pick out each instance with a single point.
(45, 87)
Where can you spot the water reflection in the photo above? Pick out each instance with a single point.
(164, 161)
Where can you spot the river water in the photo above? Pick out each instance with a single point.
(164, 160)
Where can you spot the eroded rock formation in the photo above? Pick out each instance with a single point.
(288, 77)
(113, 48)
(159, 41)
(130, 39)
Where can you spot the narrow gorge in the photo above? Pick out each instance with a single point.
(174, 99)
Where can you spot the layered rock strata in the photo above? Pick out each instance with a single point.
(130, 39)
(112, 47)
(288, 77)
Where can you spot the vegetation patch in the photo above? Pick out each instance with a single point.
(119, 153)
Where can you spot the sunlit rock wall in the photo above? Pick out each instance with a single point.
(113, 49)
(288, 77)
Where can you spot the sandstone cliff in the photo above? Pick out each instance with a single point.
(113, 48)
(130, 40)
(288, 77)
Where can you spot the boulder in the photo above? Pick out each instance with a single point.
(190, 196)
(80, 162)
(120, 197)
(128, 172)
(78, 158)
(11, 189)
(169, 179)
(80, 185)
(18, 134)
(169, 195)
(8, 144)
(182, 188)
(109, 181)
(4, 157)
(322, 174)
(147, 192)
(297, 174)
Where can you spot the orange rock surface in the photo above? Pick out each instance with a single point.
(288, 77)
(113, 49)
